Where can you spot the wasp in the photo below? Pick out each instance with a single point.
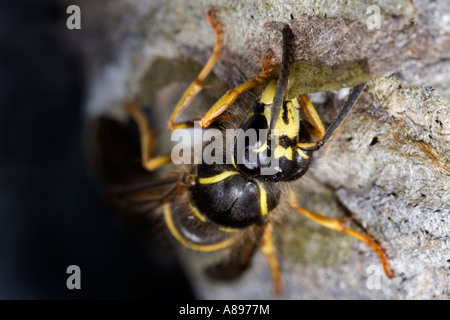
(210, 207)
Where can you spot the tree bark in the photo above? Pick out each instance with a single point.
(387, 166)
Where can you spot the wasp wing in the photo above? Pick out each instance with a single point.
(240, 255)
(142, 197)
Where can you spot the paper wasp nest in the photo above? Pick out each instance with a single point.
(387, 166)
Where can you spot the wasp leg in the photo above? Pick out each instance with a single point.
(231, 95)
(197, 85)
(318, 129)
(149, 162)
(338, 225)
(268, 249)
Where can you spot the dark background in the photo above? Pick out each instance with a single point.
(49, 212)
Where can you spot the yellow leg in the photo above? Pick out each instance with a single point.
(338, 225)
(318, 129)
(197, 85)
(149, 162)
(268, 249)
(231, 95)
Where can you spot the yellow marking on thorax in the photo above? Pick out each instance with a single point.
(217, 178)
(267, 98)
(268, 112)
(263, 200)
(290, 129)
(269, 93)
(293, 117)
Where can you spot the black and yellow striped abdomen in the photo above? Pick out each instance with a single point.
(227, 198)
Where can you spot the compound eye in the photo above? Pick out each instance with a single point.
(252, 136)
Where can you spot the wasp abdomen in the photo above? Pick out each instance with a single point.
(227, 198)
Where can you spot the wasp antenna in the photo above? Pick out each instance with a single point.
(351, 100)
(284, 75)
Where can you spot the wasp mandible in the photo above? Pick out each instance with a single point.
(210, 207)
